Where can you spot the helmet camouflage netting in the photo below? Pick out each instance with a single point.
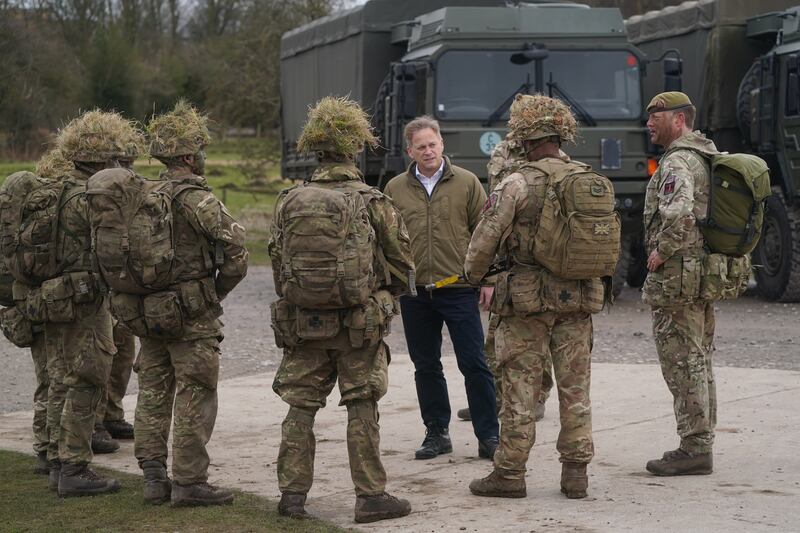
(537, 116)
(182, 131)
(336, 125)
(99, 136)
(53, 165)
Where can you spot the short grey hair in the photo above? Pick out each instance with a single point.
(419, 124)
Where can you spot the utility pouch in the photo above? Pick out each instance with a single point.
(367, 324)
(560, 295)
(676, 282)
(129, 309)
(16, 327)
(29, 301)
(162, 314)
(284, 323)
(84, 287)
(57, 294)
(724, 277)
(193, 298)
(502, 295)
(317, 324)
(592, 295)
(525, 288)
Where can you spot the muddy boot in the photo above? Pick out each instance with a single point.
(53, 474)
(464, 414)
(681, 463)
(199, 495)
(80, 480)
(538, 411)
(157, 486)
(293, 506)
(380, 507)
(119, 429)
(41, 467)
(574, 480)
(102, 441)
(498, 486)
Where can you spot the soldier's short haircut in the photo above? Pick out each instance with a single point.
(689, 113)
(419, 124)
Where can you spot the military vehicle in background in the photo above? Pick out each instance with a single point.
(462, 62)
(741, 68)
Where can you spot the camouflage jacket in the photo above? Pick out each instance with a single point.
(74, 236)
(677, 196)
(506, 158)
(509, 222)
(390, 230)
(204, 229)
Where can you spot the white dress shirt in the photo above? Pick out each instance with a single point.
(430, 183)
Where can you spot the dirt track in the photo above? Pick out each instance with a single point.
(751, 333)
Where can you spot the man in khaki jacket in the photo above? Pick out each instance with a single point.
(441, 205)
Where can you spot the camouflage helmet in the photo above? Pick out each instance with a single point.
(537, 116)
(99, 136)
(53, 165)
(182, 131)
(336, 125)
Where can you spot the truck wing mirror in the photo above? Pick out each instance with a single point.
(673, 66)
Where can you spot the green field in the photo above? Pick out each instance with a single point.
(27, 505)
(250, 202)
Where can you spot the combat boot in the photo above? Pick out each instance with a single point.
(157, 486)
(41, 467)
(102, 441)
(682, 463)
(380, 507)
(53, 475)
(293, 506)
(574, 480)
(80, 480)
(497, 485)
(119, 429)
(437, 441)
(199, 495)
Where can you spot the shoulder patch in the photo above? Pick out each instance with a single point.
(669, 183)
(491, 201)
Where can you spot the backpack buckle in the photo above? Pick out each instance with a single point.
(125, 245)
(339, 269)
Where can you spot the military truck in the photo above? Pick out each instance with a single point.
(462, 61)
(741, 68)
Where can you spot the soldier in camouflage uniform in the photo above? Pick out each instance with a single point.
(556, 322)
(182, 369)
(337, 130)
(506, 159)
(80, 352)
(110, 423)
(683, 325)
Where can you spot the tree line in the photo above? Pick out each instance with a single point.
(58, 57)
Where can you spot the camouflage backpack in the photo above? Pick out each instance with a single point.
(29, 209)
(328, 247)
(579, 231)
(132, 229)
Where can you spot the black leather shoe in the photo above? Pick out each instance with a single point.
(437, 442)
(487, 447)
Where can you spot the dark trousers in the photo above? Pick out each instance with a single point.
(423, 318)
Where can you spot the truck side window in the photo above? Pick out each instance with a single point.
(792, 85)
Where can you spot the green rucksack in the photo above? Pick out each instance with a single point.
(579, 230)
(739, 186)
(328, 247)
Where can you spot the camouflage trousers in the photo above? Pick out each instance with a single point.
(110, 406)
(305, 378)
(547, 372)
(41, 435)
(79, 357)
(522, 344)
(684, 337)
(183, 373)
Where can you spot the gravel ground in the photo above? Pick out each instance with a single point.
(751, 333)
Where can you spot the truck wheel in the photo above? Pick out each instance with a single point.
(750, 81)
(777, 256)
(637, 270)
(621, 273)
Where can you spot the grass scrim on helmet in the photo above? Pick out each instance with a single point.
(100, 136)
(537, 116)
(182, 131)
(53, 165)
(336, 125)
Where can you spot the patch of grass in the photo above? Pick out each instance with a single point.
(27, 505)
(7, 168)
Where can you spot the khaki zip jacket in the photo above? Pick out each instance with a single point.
(440, 225)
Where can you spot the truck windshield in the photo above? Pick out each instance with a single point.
(471, 84)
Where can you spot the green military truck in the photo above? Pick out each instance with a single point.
(741, 68)
(462, 61)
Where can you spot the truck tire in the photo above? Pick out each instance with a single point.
(750, 81)
(621, 272)
(637, 269)
(777, 256)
